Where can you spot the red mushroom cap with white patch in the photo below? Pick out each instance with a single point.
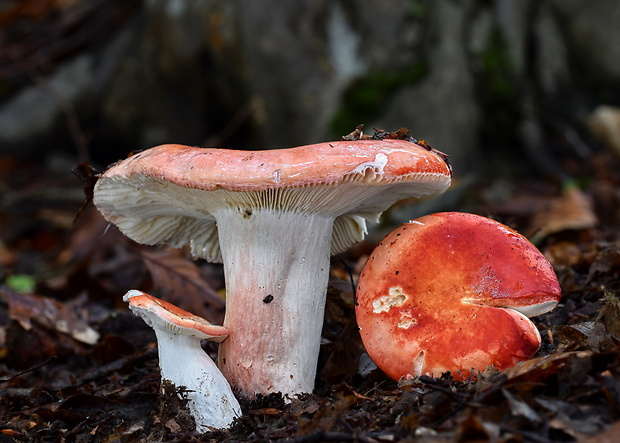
(452, 292)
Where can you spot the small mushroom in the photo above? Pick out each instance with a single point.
(184, 363)
(453, 292)
(273, 218)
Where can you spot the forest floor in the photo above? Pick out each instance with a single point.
(77, 366)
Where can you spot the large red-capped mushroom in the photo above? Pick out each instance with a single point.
(453, 292)
(273, 218)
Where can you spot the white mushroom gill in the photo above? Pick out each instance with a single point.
(163, 212)
(532, 310)
(535, 309)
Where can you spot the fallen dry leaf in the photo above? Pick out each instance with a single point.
(542, 367)
(26, 308)
(181, 283)
(572, 210)
(610, 315)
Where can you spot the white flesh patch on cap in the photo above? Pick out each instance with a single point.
(406, 320)
(372, 170)
(132, 293)
(395, 297)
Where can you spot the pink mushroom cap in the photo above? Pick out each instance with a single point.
(182, 321)
(453, 292)
(169, 193)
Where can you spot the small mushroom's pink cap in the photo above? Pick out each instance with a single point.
(158, 313)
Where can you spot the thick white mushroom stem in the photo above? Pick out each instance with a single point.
(276, 268)
(184, 363)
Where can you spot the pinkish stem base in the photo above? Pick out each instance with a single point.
(276, 269)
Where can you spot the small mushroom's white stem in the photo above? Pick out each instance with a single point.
(184, 363)
(276, 268)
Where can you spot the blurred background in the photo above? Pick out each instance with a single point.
(505, 88)
(523, 96)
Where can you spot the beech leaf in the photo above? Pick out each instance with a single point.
(52, 314)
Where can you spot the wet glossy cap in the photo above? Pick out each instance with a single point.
(172, 193)
(452, 292)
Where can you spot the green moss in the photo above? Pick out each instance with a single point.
(21, 283)
(418, 9)
(366, 95)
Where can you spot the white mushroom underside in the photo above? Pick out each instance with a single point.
(152, 211)
(526, 310)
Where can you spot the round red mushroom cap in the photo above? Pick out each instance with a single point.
(452, 292)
